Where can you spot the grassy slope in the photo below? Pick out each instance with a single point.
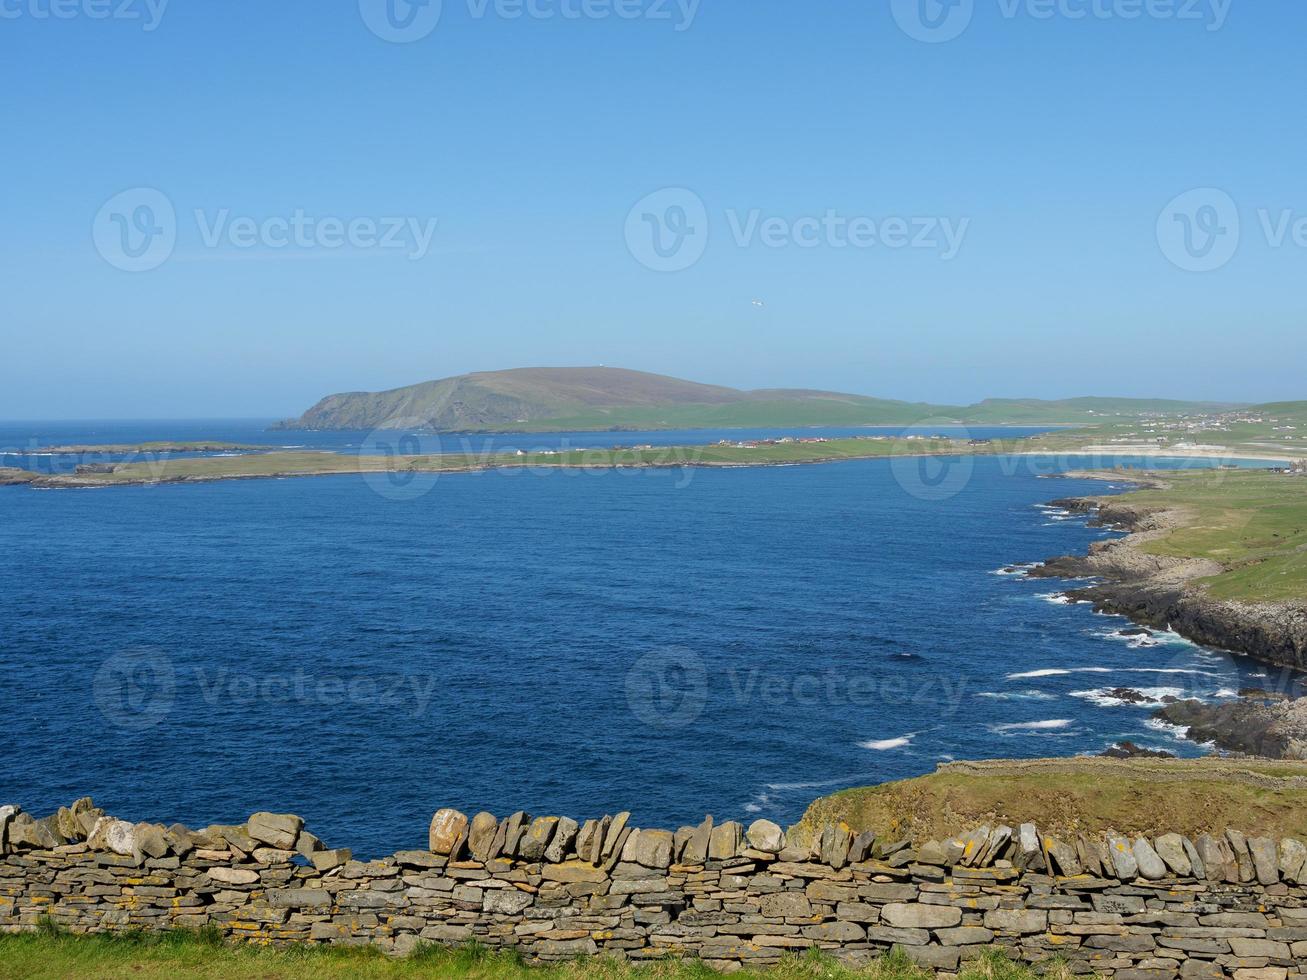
(760, 413)
(536, 399)
(197, 955)
(767, 410)
(1064, 796)
(1255, 524)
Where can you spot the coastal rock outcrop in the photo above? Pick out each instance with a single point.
(1273, 728)
(1165, 592)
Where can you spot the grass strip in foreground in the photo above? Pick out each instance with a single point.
(50, 952)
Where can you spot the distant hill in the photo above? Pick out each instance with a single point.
(598, 398)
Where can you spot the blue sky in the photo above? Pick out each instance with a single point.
(1050, 145)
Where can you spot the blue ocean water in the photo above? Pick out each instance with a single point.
(672, 642)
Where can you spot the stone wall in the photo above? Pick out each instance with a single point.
(552, 888)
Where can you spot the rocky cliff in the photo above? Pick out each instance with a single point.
(1167, 592)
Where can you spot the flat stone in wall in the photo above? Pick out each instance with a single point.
(552, 888)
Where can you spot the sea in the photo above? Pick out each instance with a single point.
(672, 642)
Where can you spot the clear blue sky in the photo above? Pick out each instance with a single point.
(1058, 139)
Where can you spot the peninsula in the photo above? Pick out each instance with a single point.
(295, 463)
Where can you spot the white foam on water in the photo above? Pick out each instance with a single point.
(1226, 692)
(1057, 598)
(1177, 732)
(1173, 638)
(1060, 671)
(1057, 672)
(885, 744)
(1133, 640)
(1017, 695)
(752, 808)
(1101, 697)
(1052, 724)
(1015, 570)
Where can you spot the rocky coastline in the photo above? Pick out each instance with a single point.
(1164, 592)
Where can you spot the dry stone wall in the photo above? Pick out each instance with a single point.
(553, 888)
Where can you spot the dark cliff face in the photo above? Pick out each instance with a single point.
(1167, 593)
(1273, 632)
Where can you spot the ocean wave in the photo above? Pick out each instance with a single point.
(1052, 724)
(1062, 671)
(1017, 695)
(1177, 732)
(885, 744)
(1133, 640)
(1057, 598)
(1018, 570)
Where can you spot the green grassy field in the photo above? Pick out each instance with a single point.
(1253, 523)
(1067, 796)
(201, 955)
(310, 463)
(207, 446)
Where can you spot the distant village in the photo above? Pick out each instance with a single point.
(1184, 432)
(811, 440)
